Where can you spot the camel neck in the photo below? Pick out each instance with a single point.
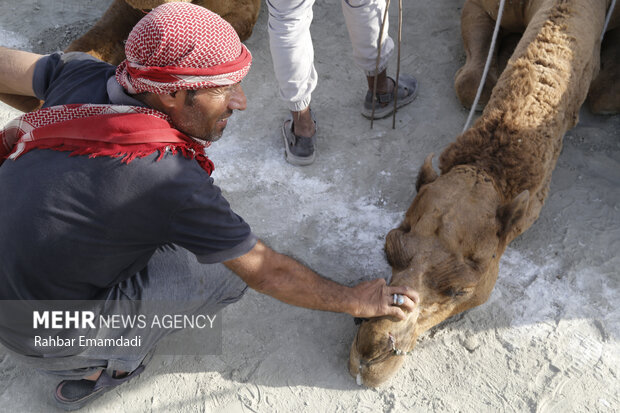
(547, 77)
(518, 137)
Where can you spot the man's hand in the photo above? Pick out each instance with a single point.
(289, 281)
(376, 299)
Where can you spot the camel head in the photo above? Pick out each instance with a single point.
(448, 249)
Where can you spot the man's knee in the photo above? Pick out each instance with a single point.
(233, 289)
(235, 296)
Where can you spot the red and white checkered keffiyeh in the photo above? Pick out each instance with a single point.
(182, 46)
(126, 132)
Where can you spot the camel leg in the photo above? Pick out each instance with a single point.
(19, 102)
(105, 39)
(477, 31)
(604, 94)
(506, 49)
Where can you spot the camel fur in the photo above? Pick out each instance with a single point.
(494, 177)
(105, 40)
(477, 23)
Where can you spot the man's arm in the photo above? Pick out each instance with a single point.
(16, 71)
(283, 278)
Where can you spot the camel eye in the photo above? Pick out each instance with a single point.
(453, 292)
(456, 291)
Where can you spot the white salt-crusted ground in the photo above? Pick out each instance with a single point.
(547, 339)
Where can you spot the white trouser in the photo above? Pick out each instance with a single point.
(293, 54)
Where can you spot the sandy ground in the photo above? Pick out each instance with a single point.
(547, 340)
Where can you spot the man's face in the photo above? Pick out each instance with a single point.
(203, 114)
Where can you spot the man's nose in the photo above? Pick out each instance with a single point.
(238, 100)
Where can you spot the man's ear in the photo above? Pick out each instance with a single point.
(165, 102)
(172, 99)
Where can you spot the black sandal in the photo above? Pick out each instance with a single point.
(75, 394)
(299, 150)
(384, 104)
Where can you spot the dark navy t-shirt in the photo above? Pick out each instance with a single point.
(71, 227)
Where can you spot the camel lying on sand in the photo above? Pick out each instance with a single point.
(105, 40)
(494, 177)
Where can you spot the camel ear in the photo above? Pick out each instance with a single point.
(512, 214)
(427, 174)
(396, 250)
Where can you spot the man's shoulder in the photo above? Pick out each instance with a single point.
(74, 77)
(70, 61)
(154, 170)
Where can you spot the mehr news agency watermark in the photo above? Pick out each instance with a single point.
(84, 320)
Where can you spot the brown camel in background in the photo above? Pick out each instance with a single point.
(105, 40)
(494, 177)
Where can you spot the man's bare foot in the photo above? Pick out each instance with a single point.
(117, 375)
(383, 85)
(299, 138)
(303, 125)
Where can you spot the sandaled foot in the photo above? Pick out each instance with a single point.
(299, 150)
(75, 394)
(384, 104)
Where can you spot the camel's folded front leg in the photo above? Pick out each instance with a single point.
(604, 94)
(477, 32)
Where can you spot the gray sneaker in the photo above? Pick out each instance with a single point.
(299, 151)
(384, 104)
